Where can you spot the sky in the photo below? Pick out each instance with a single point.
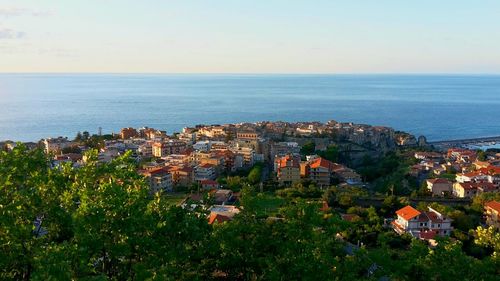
(257, 36)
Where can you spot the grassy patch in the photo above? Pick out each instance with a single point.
(268, 204)
(174, 198)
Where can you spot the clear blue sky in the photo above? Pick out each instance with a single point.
(258, 36)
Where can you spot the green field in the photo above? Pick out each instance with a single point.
(174, 198)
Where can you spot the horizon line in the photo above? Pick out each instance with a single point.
(260, 73)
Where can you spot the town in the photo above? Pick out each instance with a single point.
(376, 180)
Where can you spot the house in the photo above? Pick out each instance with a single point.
(287, 169)
(422, 225)
(127, 133)
(492, 213)
(159, 179)
(182, 176)
(318, 170)
(439, 187)
(56, 145)
(462, 155)
(470, 189)
(205, 172)
(429, 156)
(471, 177)
(209, 184)
(162, 149)
(217, 218)
(222, 196)
(345, 174)
(284, 148)
(220, 213)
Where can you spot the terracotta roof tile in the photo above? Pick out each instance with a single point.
(495, 205)
(408, 212)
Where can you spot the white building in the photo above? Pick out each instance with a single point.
(424, 225)
(56, 145)
(205, 172)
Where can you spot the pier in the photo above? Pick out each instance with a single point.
(464, 142)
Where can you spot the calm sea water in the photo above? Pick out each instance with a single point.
(34, 106)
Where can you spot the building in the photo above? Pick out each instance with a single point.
(222, 213)
(209, 184)
(162, 149)
(223, 196)
(128, 133)
(212, 132)
(281, 149)
(287, 169)
(182, 176)
(56, 145)
(205, 172)
(249, 135)
(470, 189)
(423, 225)
(318, 170)
(492, 213)
(439, 187)
(345, 174)
(146, 149)
(159, 180)
(248, 155)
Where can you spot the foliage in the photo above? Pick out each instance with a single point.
(308, 148)
(331, 153)
(255, 174)
(100, 222)
(343, 197)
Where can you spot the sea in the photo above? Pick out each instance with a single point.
(440, 107)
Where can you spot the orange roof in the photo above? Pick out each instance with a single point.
(155, 171)
(439, 180)
(472, 174)
(476, 185)
(287, 161)
(214, 217)
(492, 170)
(407, 212)
(320, 162)
(495, 205)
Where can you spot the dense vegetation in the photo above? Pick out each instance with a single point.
(99, 222)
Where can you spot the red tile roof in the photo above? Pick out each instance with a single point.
(495, 205)
(407, 212)
(492, 170)
(434, 181)
(427, 235)
(320, 162)
(288, 161)
(214, 217)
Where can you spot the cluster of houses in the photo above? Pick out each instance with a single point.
(323, 173)
(469, 175)
(198, 155)
(427, 225)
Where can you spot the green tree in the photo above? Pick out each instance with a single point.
(255, 174)
(308, 148)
